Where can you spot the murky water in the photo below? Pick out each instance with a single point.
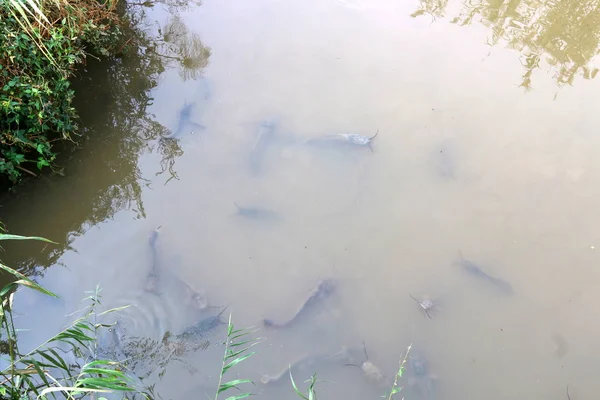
(487, 148)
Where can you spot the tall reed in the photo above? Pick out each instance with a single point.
(237, 346)
(44, 371)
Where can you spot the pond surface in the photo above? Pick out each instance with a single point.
(487, 148)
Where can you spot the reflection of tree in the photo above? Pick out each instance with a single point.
(566, 32)
(435, 8)
(169, 149)
(112, 99)
(178, 43)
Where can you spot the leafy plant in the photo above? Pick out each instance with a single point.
(37, 58)
(43, 371)
(310, 391)
(237, 345)
(395, 387)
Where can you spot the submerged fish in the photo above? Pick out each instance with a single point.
(420, 376)
(475, 270)
(353, 139)
(185, 121)
(256, 213)
(201, 328)
(427, 304)
(323, 290)
(372, 372)
(265, 136)
(156, 283)
(110, 341)
(152, 280)
(305, 365)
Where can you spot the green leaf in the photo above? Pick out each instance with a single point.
(57, 360)
(239, 396)
(298, 392)
(31, 283)
(5, 236)
(232, 384)
(114, 310)
(236, 361)
(232, 355)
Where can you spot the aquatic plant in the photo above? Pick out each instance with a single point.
(237, 346)
(395, 386)
(43, 371)
(311, 394)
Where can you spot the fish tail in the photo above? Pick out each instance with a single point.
(376, 133)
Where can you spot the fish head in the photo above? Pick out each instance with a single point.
(360, 139)
(199, 301)
(268, 123)
(110, 339)
(327, 286)
(428, 303)
(418, 364)
(372, 371)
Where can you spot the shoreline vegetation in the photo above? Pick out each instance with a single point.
(43, 43)
(95, 53)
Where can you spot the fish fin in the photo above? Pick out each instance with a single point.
(376, 133)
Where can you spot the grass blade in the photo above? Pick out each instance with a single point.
(298, 392)
(6, 236)
(239, 396)
(237, 361)
(31, 284)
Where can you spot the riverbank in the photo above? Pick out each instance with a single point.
(41, 50)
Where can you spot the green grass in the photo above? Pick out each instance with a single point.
(43, 372)
(41, 46)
